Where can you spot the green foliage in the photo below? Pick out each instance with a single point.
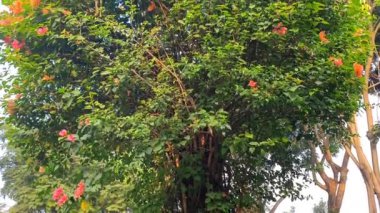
(321, 207)
(160, 105)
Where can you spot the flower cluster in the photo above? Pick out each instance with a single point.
(358, 68)
(42, 31)
(60, 197)
(85, 122)
(17, 6)
(64, 134)
(79, 191)
(280, 29)
(252, 84)
(338, 62)
(323, 37)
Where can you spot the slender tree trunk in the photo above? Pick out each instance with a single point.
(364, 167)
(334, 186)
(274, 208)
(370, 173)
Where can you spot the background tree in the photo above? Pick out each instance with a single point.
(321, 207)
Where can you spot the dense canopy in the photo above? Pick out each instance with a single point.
(172, 106)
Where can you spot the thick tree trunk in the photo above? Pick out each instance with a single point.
(209, 146)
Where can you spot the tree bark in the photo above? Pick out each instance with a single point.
(364, 168)
(335, 186)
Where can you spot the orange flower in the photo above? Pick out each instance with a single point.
(5, 22)
(252, 84)
(16, 7)
(17, 45)
(322, 37)
(45, 11)
(18, 96)
(42, 30)
(35, 3)
(41, 170)
(338, 62)
(10, 20)
(63, 133)
(87, 121)
(280, 29)
(11, 107)
(66, 12)
(47, 78)
(358, 33)
(151, 7)
(79, 190)
(358, 68)
(71, 138)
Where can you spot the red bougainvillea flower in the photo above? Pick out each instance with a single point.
(79, 190)
(280, 29)
(7, 39)
(16, 7)
(252, 84)
(323, 37)
(17, 45)
(58, 193)
(71, 138)
(41, 170)
(42, 30)
(358, 68)
(151, 7)
(63, 133)
(64, 198)
(338, 62)
(35, 3)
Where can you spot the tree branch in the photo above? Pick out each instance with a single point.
(321, 172)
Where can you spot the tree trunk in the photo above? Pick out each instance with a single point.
(364, 167)
(209, 146)
(273, 210)
(334, 186)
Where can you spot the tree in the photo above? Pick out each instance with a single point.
(370, 171)
(292, 210)
(321, 207)
(187, 106)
